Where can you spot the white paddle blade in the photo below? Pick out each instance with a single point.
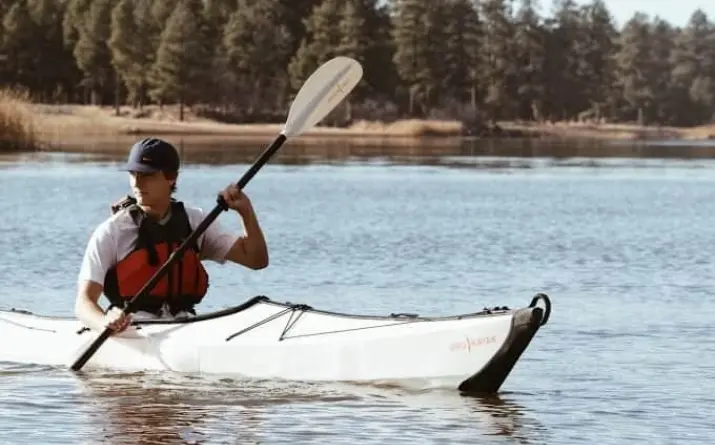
(321, 93)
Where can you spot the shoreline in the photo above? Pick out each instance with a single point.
(57, 125)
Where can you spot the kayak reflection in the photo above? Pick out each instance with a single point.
(153, 408)
(476, 415)
(503, 417)
(148, 408)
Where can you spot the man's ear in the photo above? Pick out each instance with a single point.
(170, 175)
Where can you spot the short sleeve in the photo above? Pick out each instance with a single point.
(216, 241)
(99, 255)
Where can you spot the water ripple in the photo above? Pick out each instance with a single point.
(627, 356)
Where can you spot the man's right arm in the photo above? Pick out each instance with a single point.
(99, 256)
(87, 307)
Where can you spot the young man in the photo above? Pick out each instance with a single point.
(127, 248)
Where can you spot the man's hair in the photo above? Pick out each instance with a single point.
(171, 174)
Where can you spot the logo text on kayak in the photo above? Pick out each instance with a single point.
(468, 343)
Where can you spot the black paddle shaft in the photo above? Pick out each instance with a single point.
(159, 274)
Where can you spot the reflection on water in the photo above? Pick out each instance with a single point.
(456, 152)
(506, 418)
(149, 408)
(488, 415)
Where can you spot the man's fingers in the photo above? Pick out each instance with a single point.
(233, 191)
(229, 194)
(232, 196)
(119, 324)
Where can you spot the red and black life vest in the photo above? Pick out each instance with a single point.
(185, 283)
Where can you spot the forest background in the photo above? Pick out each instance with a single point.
(438, 67)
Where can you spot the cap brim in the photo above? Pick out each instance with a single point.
(137, 167)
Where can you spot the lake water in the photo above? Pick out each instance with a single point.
(620, 237)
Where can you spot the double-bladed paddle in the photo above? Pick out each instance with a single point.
(319, 95)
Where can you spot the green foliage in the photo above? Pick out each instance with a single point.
(463, 59)
(133, 44)
(530, 39)
(181, 57)
(91, 51)
(323, 37)
(255, 42)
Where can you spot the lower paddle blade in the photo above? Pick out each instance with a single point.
(321, 93)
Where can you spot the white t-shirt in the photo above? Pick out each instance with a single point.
(114, 239)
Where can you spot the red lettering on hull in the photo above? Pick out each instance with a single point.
(468, 343)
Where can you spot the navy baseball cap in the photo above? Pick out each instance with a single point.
(151, 155)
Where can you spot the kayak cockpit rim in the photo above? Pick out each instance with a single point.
(485, 312)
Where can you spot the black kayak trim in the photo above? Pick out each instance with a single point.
(497, 310)
(524, 325)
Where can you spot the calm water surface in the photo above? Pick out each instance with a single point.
(624, 252)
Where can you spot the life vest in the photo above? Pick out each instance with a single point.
(181, 287)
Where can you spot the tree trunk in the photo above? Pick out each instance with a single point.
(117, 93)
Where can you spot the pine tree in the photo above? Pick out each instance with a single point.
(131, 47)
(319, 45)
(256, 50)
(690, 59)
(91, 51)
(530, 51)
(660, 68)
(178, 68)
(356, 41)
(596, 68)
(18, 46)
(462, 60)
(633, 62)
(72, 21)
(123, 29)
(415, 31)
(500, 68)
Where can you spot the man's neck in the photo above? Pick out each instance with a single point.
(159, 212)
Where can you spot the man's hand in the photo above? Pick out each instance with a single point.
(249, 250)
(116, 320)
(237, 200)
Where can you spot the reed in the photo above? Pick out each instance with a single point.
(17, 129)
(414, 128)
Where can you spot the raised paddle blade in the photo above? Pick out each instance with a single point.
(321, 93)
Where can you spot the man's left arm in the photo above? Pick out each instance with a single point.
(250, 250)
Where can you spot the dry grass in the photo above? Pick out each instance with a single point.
(90, 120)
(17, 127)
(700, 133)
(60, 125)
(569, 130)
(24, 125)
(409, 128)
(623, 131)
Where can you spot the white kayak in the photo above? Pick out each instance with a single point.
(265, 339)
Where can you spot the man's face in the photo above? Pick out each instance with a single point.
(151, 189)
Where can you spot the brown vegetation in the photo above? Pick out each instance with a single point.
(26, 126)
(70, 120)
(16, 122)
(588, 130)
